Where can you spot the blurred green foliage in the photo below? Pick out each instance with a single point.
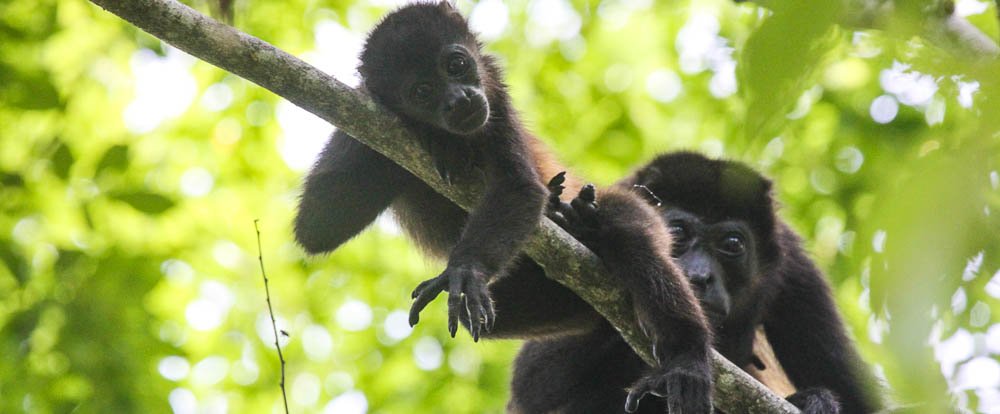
(130, 176)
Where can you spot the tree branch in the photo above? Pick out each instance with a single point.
(964, 36)
(941, 27)
(563, 257)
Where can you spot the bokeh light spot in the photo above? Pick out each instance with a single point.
(664, 85)
(196, 182)
(209, 371)
(317, 343)
(174, 368)
(397, 325)
(884, 109)
(427, 353)
(354, 315)
(351, 402)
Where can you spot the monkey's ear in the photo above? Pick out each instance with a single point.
(446, 5)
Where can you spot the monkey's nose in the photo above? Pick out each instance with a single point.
(458, 101)
(700, 281)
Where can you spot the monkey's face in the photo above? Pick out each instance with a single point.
(432, 82)
(717, 258)
(424, 64)
(446, 92)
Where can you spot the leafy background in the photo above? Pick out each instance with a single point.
(131, 175)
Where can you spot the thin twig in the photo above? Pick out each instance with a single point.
(270, 310)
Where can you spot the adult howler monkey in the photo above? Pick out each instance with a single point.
(747, 268)
(422, 62)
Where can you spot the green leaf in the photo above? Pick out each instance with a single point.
(115, 159)
(27, 89)
(15, 261)
(146, 202)
(11, 180)
(62, 160)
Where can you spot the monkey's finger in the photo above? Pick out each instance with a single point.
(443, 172)
(558, 218)
(435, 285)
(469, 303)
(484, 315)
(421, 287)
(554, 202)
(426, 295)
(481, 305)
(455, 304)
(557, 181)
(588, 193)
(453, 316)
(570, 213)
(476, 301)
(632, 402)
(553, 207)
(490, 311)
(585, 210)
(475, 321)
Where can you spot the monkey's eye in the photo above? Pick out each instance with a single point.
(678, 230)
(732, 245)
(421, 92)
(458, 64)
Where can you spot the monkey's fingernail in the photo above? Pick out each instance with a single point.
(631, 403)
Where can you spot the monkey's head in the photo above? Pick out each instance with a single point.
(423, 62)
(721, 216)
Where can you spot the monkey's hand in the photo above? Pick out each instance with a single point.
(467, 296)
(815, 401)
(578, 217)
(687, 390)
(557, 210)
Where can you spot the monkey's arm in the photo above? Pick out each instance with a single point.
(632, 240)
(635, 246)
(809, 339)
(346, 189)
(507, 213)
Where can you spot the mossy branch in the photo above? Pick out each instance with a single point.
(563, 257)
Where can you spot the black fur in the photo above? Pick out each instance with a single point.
(594, 370)
(460, 116)
(351, 184)
(788, 294)
(775, 284)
